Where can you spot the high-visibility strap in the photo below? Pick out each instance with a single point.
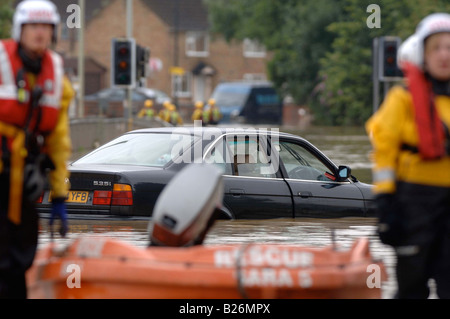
(6, 70)
(54, 100)
(382, 175)
(8, 92)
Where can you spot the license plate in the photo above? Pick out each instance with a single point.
(74, 197)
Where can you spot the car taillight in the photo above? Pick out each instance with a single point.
(122, 195)
(102, 198)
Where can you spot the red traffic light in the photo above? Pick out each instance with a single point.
(124, 51)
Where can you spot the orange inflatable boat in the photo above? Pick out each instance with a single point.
(103, 268)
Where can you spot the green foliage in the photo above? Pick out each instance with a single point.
(6, 13)
(322, 49)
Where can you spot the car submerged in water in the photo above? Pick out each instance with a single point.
(266, 174)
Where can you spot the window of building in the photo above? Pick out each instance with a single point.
(181, 85)
(197, 44)
(253, 49)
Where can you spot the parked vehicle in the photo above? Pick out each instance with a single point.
(158, 97)
(114, 94)
(266, 175)
(248, 102)
(110, 101)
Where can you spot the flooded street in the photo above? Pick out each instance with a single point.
(343, 146)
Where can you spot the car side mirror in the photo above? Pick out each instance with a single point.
(344, 172)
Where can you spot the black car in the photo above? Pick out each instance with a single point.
(267, 174)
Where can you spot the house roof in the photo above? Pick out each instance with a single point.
(192, 14)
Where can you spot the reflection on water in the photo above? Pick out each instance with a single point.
(303, 232)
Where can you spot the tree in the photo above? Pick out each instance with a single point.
(293, 31)
(6, 13)
(345, 94)
(322, 49)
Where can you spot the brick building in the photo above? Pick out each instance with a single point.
(177, 33)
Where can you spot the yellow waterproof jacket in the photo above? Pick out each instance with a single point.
(59, 145)
(392, 126)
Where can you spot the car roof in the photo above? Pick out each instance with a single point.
(191, 130)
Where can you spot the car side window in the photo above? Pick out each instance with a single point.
(300, 163)
(249, 157)
(219, 155)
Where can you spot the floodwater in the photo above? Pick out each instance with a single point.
(344, 146)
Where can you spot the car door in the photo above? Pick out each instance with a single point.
(311, 178)
(254, 187)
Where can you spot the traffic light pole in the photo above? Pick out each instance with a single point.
(81, 62)
(129, 89)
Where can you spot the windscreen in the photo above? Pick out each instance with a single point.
(146, 149)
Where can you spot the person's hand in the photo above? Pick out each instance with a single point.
(389, 219)
(59, 211)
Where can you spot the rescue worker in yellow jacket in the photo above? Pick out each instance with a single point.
(34, 137)
(197, 115)
(147, 111)
(411, 142)
(164, 113)
(211, 114)
(175, 117)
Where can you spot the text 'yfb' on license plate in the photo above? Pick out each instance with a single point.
(75, 197)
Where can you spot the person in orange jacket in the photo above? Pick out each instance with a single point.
(34, 137)
(411, 154)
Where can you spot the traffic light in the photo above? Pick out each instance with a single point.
(123, 68)
(389, 70)
(142, 59)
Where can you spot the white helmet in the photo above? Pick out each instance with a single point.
(35, 11)
(432, 24)
(409, 52)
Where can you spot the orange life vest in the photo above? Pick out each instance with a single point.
(15, 111)
(15, 108)
(429, 125)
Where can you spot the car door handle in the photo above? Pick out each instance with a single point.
(304, 194)
(237, 191)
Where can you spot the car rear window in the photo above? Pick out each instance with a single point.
(147, 149)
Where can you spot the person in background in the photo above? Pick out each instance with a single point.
(147, 111)
(197, 115)
(411, 153)
(175, 117)
(212, 114)
(34, 137)
(164, 113)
